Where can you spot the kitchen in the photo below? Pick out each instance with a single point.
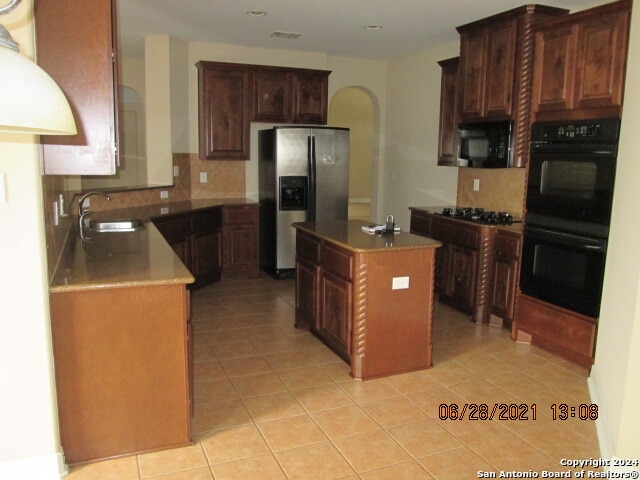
(409, 148)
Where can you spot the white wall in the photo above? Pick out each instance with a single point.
(411, 176)
(615, 373)
(28, 418)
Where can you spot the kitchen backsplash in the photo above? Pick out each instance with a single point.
(501, 189)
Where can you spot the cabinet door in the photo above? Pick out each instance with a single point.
(601, 58)
(463, 275)
(223, 113)
(307, 293)
(500, 69)
(241, 247)
(442, 284)
(75, 44)
(309, 96)
(271, 96)
(335, 313)
(553, 70)
(448, 112)
(473, 68)
(504, 286)
(206, 255)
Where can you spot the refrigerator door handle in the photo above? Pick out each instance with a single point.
(311, 157)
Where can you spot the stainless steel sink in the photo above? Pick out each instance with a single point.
(121, 225)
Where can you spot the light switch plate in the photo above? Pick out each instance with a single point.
(203, 177)
(476, 184)
(400, 283)
(164, 194)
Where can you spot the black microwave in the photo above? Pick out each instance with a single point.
(485, 144)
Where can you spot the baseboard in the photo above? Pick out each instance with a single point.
(48, 467)
(602, 428)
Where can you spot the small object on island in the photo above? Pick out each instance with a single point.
(378, 229)
(390, 224)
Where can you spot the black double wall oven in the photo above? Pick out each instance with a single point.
(568, 210)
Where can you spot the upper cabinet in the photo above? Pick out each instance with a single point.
(496, 68)
(232, 95)
(580, 64)
(75, 42)
(448, 111)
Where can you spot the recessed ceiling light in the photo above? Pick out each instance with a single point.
(256, 13)
(373, 27)
(289, 35)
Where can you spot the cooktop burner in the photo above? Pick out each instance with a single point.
(480, 215)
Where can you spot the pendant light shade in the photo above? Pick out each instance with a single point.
(30, 101)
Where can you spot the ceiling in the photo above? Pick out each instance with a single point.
(334, 27)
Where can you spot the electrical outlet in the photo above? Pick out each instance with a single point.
(56, 217)
(176, 170)
(164, 194)
(203, 177)
(399, 283)
(476, 184)
(164, 210)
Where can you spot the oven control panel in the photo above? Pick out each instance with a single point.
(603, 130)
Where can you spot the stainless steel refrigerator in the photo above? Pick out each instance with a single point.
(303, 176)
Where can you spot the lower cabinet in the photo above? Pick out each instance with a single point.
(122, 370)
(505, 274)
(214, 242)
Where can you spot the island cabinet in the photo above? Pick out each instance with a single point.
(231, 95)
(580, 64)
(368, 297)
(496, 68)
(76, 46)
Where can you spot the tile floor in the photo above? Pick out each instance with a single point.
(272, 402)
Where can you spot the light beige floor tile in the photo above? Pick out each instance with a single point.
(412, 382)
(484, 364)
(173, 460)
(214, 391)
(212, 416)
(304, 377)
(393, 411)
(403, 471)
(512, 453)
(424, 438)
(226, 351)
(287, 360)
(125, 468)
(291, 432)
(518, 384)
(458, 464)
(450, 374)
(320, 461)
(321, 354)
(220, 337)
(206, 371)
(473, 431)
(273, 406)
(481, 391)
(344, 421)
(230, 444)
(367, 391)
(337, 371)
(322, 397)
(559, 441)
(238, 367)
(429, 401)
(264, 467)
(262, 384)
(371, 451)
(203, 473)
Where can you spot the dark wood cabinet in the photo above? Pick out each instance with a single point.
(223, 111)
(307, 281)
(496, 69)
(448, 112)
(75, 41)
(507, 261)
(231, 95)
(241, 241)
(461, 280)
(335, 313)
(580, 64)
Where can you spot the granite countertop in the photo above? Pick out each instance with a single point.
(349, 234)
(128, 259)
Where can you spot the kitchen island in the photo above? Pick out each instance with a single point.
(368, 297)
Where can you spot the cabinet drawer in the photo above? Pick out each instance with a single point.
(420, 224)
(206, 220)
(507, 244)
(240, 215)
(337, 260)
(455, 233)
(308, 248)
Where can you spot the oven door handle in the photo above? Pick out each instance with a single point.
(573, 240)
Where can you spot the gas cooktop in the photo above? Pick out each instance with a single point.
(480, 215)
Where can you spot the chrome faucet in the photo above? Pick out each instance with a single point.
(83, 212)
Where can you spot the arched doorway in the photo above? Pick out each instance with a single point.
(355, 108)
